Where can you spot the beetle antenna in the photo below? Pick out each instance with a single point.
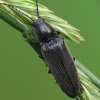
(37, 8)
(12, 6)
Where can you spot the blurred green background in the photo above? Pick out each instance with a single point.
(23, 76)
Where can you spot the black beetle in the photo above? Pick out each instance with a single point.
(57, 57)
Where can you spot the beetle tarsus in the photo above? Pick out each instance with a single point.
(40, 55)
(58, 32)
(49, 71)
(73, 58)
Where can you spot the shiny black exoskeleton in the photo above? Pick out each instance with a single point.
(43, 31)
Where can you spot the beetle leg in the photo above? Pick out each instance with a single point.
(49, 71)
(73, 58)
(46, 65)
(41, 56)
(58, 32)
(81, 89)
(31, 41)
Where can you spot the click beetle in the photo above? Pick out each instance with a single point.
(57, 56)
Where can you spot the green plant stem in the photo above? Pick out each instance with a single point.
(12, 21)
(24, 29)
(92, 77)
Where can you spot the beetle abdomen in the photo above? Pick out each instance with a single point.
(61, 65)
